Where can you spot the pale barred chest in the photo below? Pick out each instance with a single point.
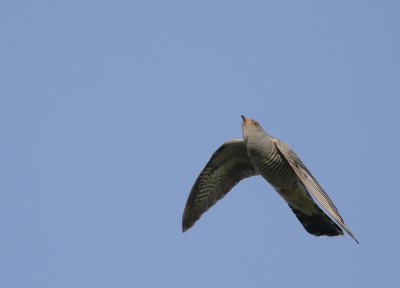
(274, 168)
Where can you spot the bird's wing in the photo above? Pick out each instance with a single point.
(227, 166)
(311, 184)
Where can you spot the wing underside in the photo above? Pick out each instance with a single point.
(227, 166)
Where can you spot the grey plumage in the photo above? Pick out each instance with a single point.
(258, 153)
(227, 166)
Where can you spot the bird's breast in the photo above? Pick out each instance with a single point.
(274, 168)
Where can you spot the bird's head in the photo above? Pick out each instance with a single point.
(251, 129)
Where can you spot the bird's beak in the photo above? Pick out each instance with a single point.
(245, 120)
(244, 127)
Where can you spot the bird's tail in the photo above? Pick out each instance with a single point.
(318, 224)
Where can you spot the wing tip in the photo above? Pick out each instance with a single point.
(186, 225)
(352, 236)
(344, 226)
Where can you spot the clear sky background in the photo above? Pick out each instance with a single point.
(110, 109)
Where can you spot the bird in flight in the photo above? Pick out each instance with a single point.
(258, 153)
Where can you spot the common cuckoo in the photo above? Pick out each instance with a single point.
(258, 153)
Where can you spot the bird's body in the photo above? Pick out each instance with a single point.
(258, 153)
(277, 171)
(270, 164)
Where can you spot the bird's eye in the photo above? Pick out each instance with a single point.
(255, 124)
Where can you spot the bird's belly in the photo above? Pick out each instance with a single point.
(278, 172)
(298, 198)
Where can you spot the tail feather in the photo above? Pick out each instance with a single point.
(317, 224)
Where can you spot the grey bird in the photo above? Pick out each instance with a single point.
(258, 153)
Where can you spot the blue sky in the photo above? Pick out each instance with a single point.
(110, 109)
